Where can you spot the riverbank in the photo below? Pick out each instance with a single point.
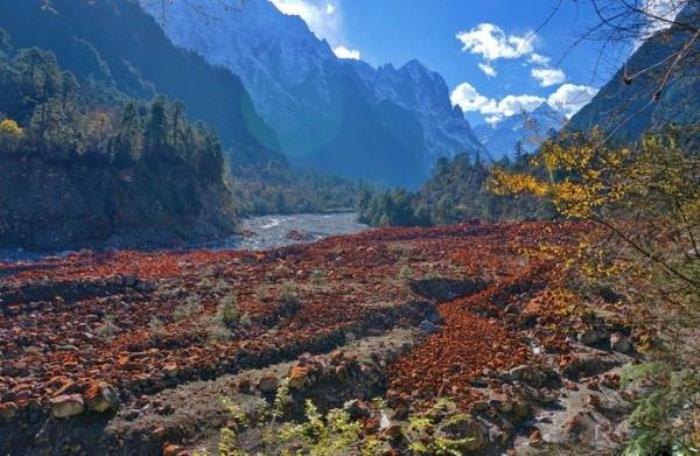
(254, 233)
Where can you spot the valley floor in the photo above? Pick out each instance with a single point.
(131, 353)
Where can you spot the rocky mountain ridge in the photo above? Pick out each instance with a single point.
(635, 100)
(418, 89)
(524, 130)
(318, 103)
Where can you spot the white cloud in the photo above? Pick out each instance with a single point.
(323, 18)
(492, 43)
(344, 53)
(470, 100)
(539, 59)
(570, 98)
(567, 99)
(514, 104)
(548, 76)
(488, 69)
(466, 97)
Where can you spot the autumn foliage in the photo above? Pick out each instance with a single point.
(645, 200)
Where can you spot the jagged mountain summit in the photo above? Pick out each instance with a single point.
(425, 93)
(335, 115)
(520, 133)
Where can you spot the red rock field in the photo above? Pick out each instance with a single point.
(131, 352)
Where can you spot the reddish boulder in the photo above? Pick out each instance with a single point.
(101, 397)
(299, 376)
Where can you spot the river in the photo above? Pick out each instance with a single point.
(259, 233)
(270, 231)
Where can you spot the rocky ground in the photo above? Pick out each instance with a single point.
(131, 353)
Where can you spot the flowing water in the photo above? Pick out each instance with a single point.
(259, 233)
(272, 231)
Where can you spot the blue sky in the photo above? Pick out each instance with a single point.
(490, 52)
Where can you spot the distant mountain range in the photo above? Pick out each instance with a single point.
(627, 109)
(524, 131)
(335, 115)
(274, 91)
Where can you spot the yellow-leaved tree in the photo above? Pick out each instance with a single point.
(10, 128)
(10, 135)
(646, 201)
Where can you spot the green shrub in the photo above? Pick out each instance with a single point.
(156, 328)
(108, 329)
(191, 307)
(317, 277)
(227, 312)
(405, 273)
(289, 292)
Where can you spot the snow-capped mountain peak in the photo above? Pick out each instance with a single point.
(304, 91)
(523, 131)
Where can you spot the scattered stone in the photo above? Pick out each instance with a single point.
(144, 287)
(535, 437)
(575, 426)
(268, 384)
(588, 365)
(621, 343)
(517, 409)
(384, 420)
(394, 431)
(357, 409)
(594, 401)
(130, 280)
(480, 406)
(571, 386)
(478, 383)
(593, 385)
(433, 316)
(536, 376)
(244, 385)
(592, 337)
(101, 397)
(298, 376)
(8, 410)
(445, 289)
(467, 430)
(170, 369)
(170, 449)
(67, 405)
(611, 381)
(512, 309)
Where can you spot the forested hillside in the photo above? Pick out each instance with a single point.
(456, 192)
(113, 46)
(84, 165)
(113, 42)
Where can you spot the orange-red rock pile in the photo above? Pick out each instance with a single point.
(144, 321)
